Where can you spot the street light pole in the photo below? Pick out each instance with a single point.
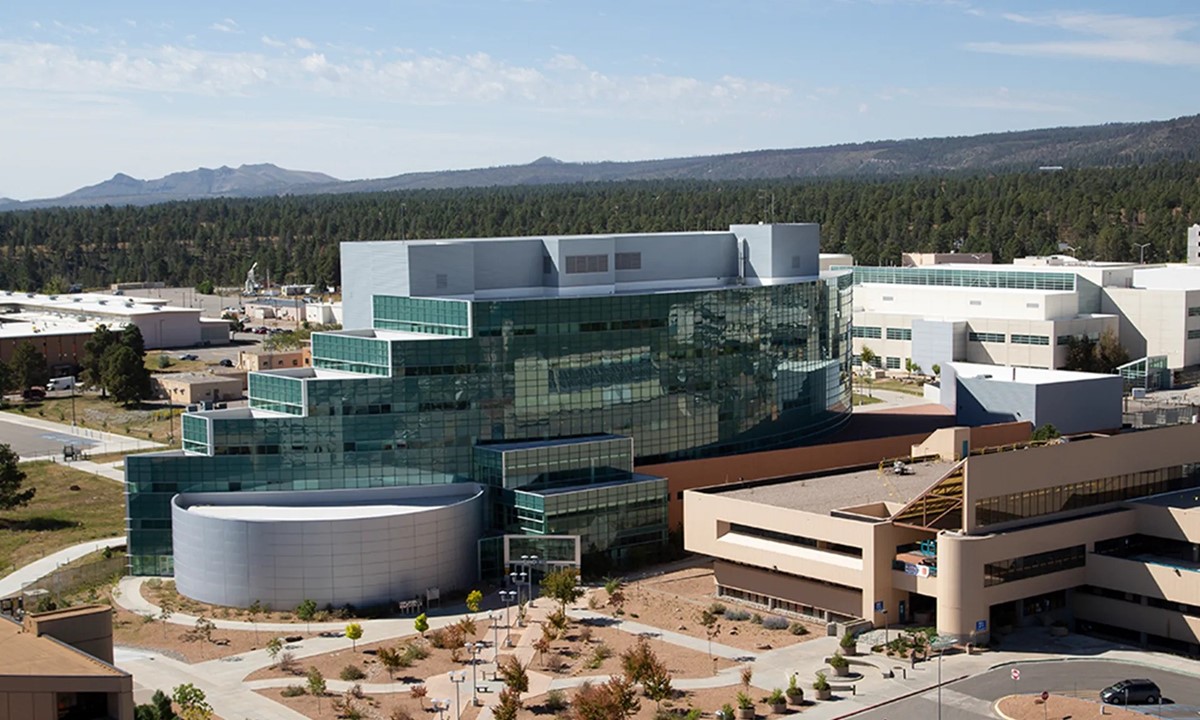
(1142, 252)
(457, 677)
(507, 597)
(495, 638)
(474, 648)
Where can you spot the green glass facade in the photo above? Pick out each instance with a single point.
(685, 374)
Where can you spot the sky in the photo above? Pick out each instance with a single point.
(372, 88)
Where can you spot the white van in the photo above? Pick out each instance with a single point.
(60, 383)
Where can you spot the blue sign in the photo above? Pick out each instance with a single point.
(980, 625)
(879, 606)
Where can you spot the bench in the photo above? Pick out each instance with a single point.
(853, 688)
(483, 689)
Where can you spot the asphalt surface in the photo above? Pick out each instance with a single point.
(35, 442)
(972, 698)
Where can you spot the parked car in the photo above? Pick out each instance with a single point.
(225, 362)
(1131, 692)
(33, 393)
(189, 356)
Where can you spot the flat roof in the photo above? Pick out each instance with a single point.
(325, 505)
(1024, 375)
(1181, 500)
(91, 304)
(583, 487)
(825, 493)
(28, 655)
(349, 511)
(196, 377)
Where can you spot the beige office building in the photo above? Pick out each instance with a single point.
(1100, 532)
(59, 665)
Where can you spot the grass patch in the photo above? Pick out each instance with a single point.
(59, 517)
(865, 399)
(892, 385)
(145, 422)
(175, 365)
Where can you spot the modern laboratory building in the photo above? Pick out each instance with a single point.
(542, 368)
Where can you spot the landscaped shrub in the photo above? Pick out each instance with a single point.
(556, 700)
(798, 628)
(774, 622)
(716, 609)
(756, 619)
(293, 691)
(599, 654)
(737, 615)
(352, 672)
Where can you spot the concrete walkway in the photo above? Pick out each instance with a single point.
(891, 399)
(13, 583)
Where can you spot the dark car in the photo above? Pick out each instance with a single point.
(34, 393)
(225, 362)
(1131, 692)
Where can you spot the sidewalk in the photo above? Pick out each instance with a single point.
(38, 569)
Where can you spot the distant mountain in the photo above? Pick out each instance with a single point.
(1068, 147)
(243, 181)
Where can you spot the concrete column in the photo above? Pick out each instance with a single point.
(960, 602)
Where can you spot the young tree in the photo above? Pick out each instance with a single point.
(193, 705)
(508, 705)
(868, 356)
(12, 477)
(657, 684)
(1109, 353)
(274, 647)
(638, 660)
(306, 611)
(123, 374)
(562, 585)
(421, 624)
(316, 685)
(708, 620)
(354, 631)
(474, 598)
(205, 287)
(254, 611)
(28, 366)
(513, 673)
(543, 644)
(609, 700)
(389, 658)
(165, 610)
(615, 588)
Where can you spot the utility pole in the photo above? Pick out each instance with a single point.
(1142, 252)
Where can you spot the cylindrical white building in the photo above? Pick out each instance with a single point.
(359, 547)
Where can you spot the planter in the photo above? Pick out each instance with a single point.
(824, 694)
(744, 713)
(796, 698)
(778, 708)
(841, 670)
(850, 651)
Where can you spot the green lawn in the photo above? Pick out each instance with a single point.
(865, 399)
(58, 516)
(890, 385)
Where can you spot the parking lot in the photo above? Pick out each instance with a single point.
(972, 698)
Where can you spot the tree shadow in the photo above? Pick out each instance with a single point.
(38, 524)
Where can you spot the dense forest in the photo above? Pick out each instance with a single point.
(1103, 213)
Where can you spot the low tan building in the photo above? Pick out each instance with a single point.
(1102, 533)
(190, 388)
(59, 664)
(259, 361)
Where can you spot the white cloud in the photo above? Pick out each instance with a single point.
(1125, 38)
(226, 26)
(303, 43)
(561, 82)
(272, 42)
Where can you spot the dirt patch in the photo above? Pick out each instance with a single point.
(375, 705)
(674, 601)
(1031, 707)
(582, 650)
(707, 700)
(438, 662)
(163, 591)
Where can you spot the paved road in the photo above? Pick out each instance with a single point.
(972, 699)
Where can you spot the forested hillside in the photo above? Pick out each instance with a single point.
(1102, 212)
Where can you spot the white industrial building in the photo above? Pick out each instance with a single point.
(1026, 313)
(32, 316)
(1073, 402)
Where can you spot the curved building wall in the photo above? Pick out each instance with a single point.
(357, 547)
